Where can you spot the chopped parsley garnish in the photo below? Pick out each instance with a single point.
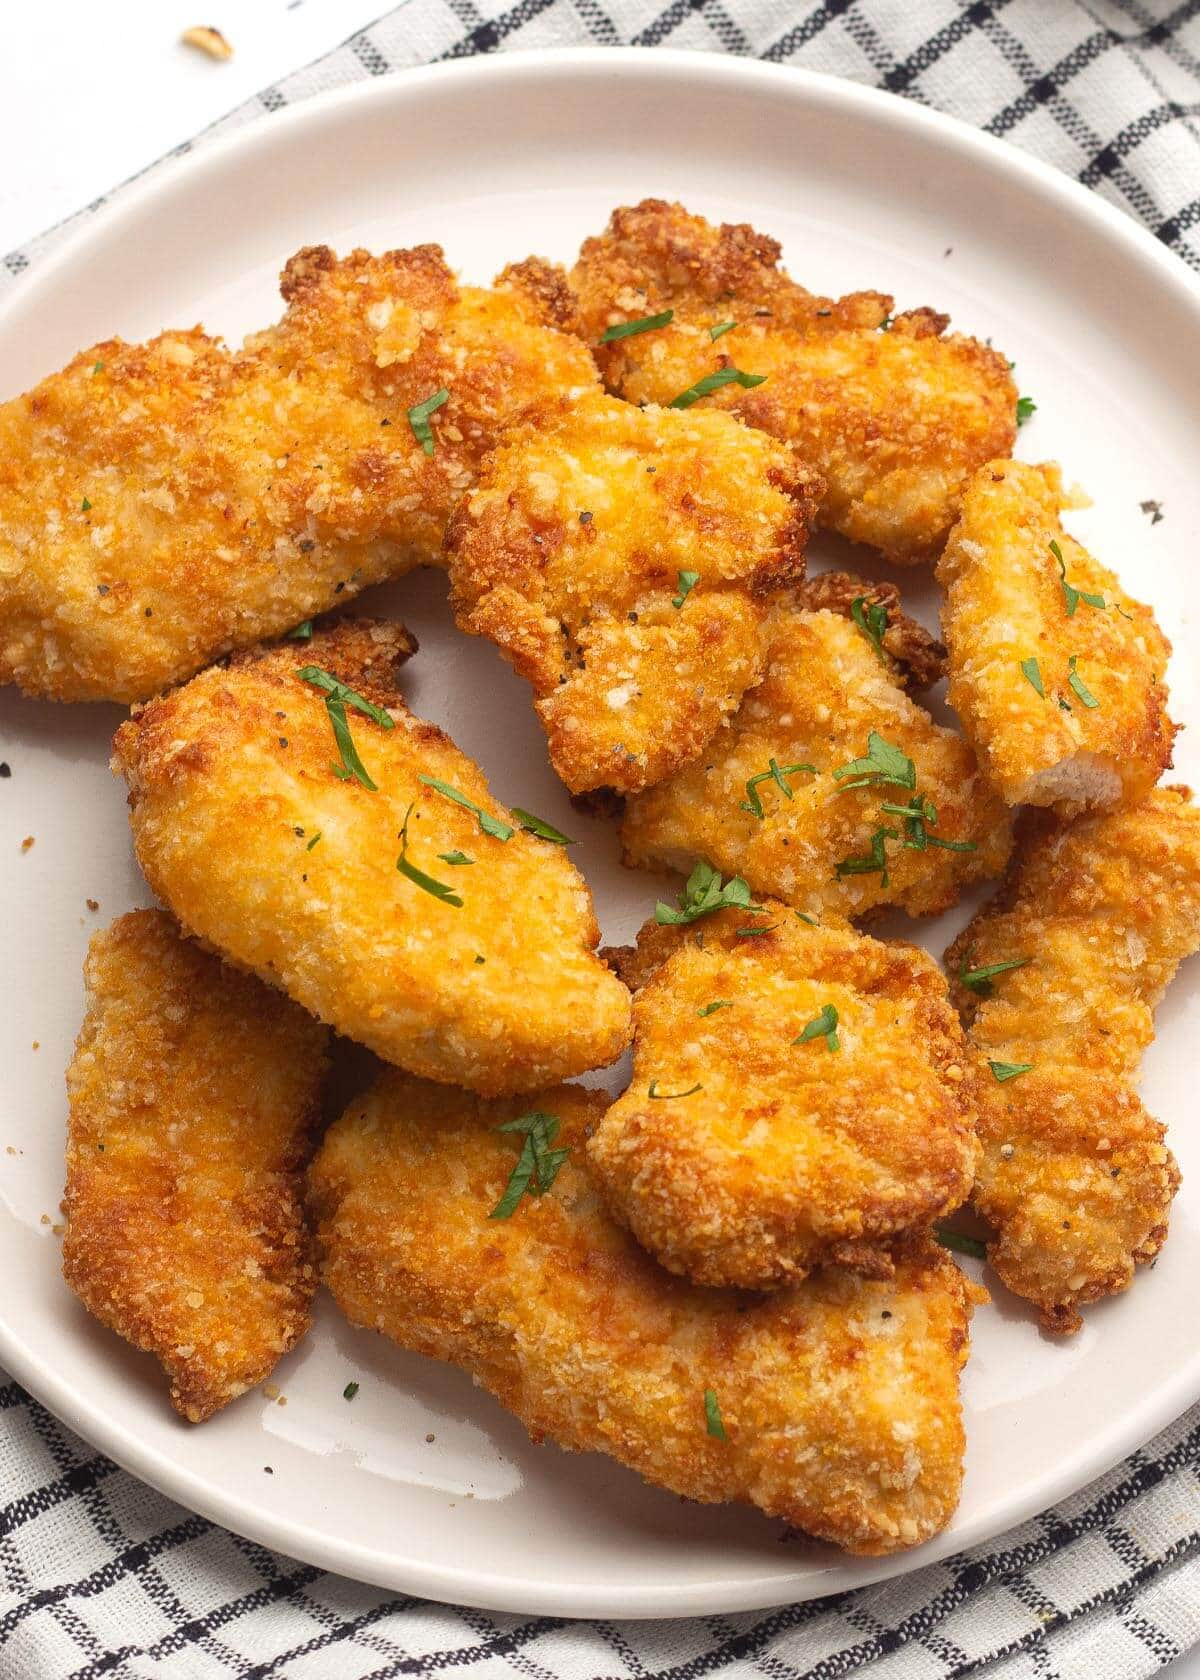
(455, 859)
(350, 1390)
(488, 823)
(418, 418)
(823, 1025)
(653, 1091)
(960, 1243)
(85, 506)
(883, 763)
(873, 862)
(1077, 683)
(1071, 595)
(97, 367)
(418, 877)
(920, 814)
(721, 328)
(628, 329)
(540, 827)
(980, 979)
(754, 932)
(711, 1008)
(1009, 1070)
(337, 698)
(714, 382)
(537, 1165)
(773, 773)
(712, 1415)
(302, 632)
(1031, 671)
(802, 916)
(687, 582)
(313, 841)
(703, 895)
(871, 617)
(1026, 409)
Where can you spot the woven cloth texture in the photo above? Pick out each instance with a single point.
(100, 1575)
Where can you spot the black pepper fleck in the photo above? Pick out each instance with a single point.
(5, 772)
(306, 545)
(1154, 509)
(586, 518)
(102, 589)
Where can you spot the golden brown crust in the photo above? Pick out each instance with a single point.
(569, 555)
(1075, 1175)
(163, 503)
(231, 779)
(825, 690)
(838, 1397)
(895, 421)
(1006, 604)
(194, 1094)
(740, 1156)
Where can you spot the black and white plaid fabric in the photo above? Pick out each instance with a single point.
(99, 1575)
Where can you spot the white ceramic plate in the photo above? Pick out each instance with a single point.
(496, 158)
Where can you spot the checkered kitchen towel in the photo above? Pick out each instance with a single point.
(102, 1576)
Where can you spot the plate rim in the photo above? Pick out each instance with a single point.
(443, 1582)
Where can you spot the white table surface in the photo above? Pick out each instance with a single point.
(94, 93)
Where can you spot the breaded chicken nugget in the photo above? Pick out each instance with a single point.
(893, 415)
(832, 1405)
(194, 1095)
(622, 560)
(163, 503)
(1058, 978)
(830, 843)
(389, 893)
(1056, 673)
(799, 1096)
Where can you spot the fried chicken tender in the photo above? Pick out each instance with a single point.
(623, 561)
(471, 960)
(895, 420)
(163, 503)
(1056, 672)
(193, 1095)
(743, 1153)
(838, 1398)
(1075, 1174)
(822, 846)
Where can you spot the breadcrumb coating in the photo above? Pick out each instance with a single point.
(894, 416)
(193, 1101)
(741, 1154)
(244, 828)
(1085, 724)
(838, 1398)
(1075, 1174)
(623, 561)
(163, 503)
(826, 688)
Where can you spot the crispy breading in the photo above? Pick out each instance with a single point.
(571, 555)
(825, 690)
(1086, 723)
(838, 1398)
(193, 1101)
(243, 827)
(1075, 1174)
(895, 420)
(163, 503)
(741, 1155)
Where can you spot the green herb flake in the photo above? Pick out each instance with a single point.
(350, 1390)
(754, 932)
(85, 506)
(1077, 683)
(1031, 671)
(823, 1025)
(715, 382)
(488, 823)
(97, 367)
(712, 1415)
(313, 841)
(630, 329)
(779, 775)
(302, 632)
(711, 1008)
(337, 698)
(883, 763)
(418, 418)
(873, 862)
(653, 1092)
(802, 916)
(427, 883)
(537, 1165)
(543, 829)
(455, 859)
(959, 1243)
(1071, 595)
(703, 895)
(1026, 409)
(871, 617)
(721, 328)
(687, 582)
(980, 979)
(1003, 1071)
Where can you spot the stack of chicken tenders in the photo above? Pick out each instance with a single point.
(734, 1278)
